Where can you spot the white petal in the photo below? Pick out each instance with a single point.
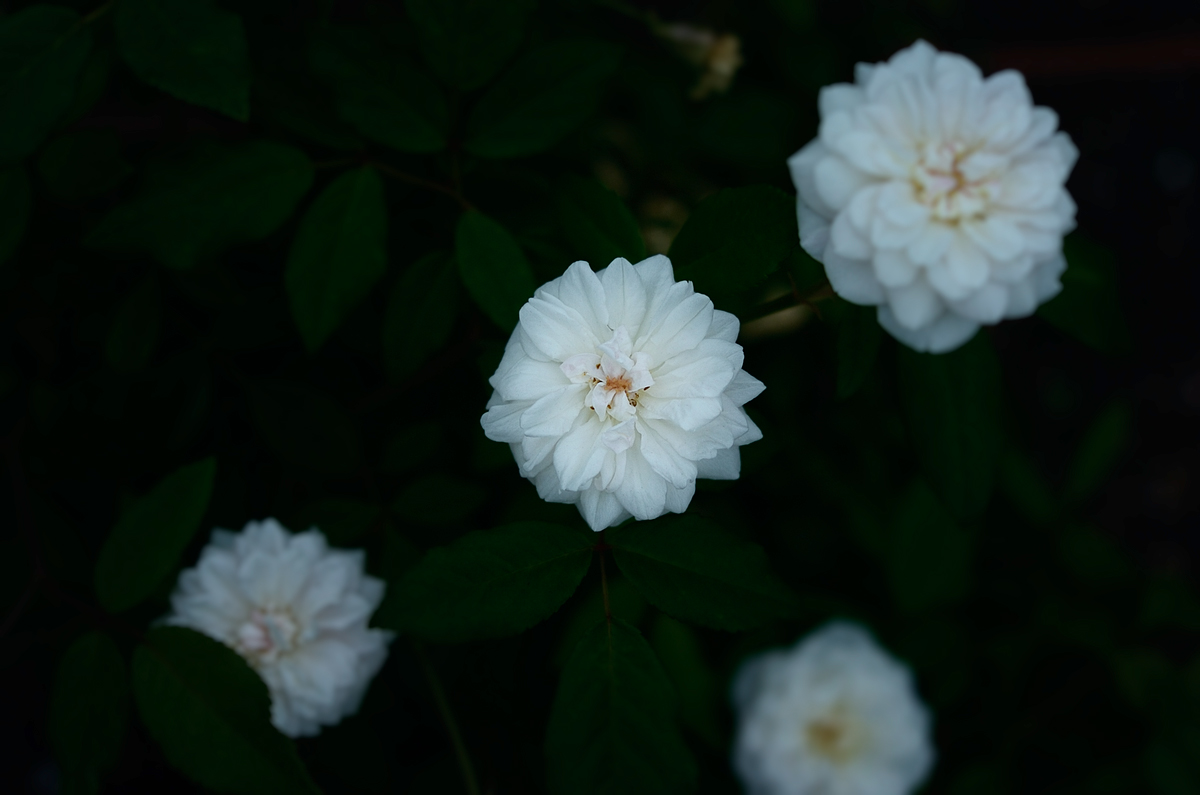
(945, 334)
(743, 388)
(663, 458)
(643, 492)
(837, 181)
(915, 305)
(853, 279)
(579, 455)
(725, 326)
(683, 328)
(625, 294)
(529, 379)
(725, 465)
(555, 413)
(601, 509)
(987, 305)
(502, 422)
(558, 330)
(581, 290)
(814, 231)
(893, 268)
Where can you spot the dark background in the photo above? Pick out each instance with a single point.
(1066, 663)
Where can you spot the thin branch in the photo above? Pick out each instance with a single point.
(97, 13)
(443, 706)
(413, 179)
(790, 300)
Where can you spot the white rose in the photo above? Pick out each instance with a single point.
(835, 715)
(619, 388)
(937, 195)
(296, 610)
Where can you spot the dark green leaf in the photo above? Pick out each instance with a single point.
(306, 429)
(42, 49)
(210, 712)
(679, 650)
(341, 521)
(1092, 556)
(1022, 483)
(735, 239)
(1089, 307)
(858, 344)
(144, 547)
(420, 314)
(215, 197)
(1098, 453)
(493, 268)
(134, 331)
(411, 448)
(438, 499)
(83, 164)
(597, 224)
(612, 727)
(380, 93)
(303, 106)
(694, 570)
(929, 563)
(467, 41)
(805, 272)
(543, 97)
(189, 48)
(624, 602)
(14, 209)
(952, 402)
(89, 709)
(489, 583)
(340, 251)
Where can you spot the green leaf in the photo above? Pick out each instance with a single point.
(694, 570)
(14, 209)
(83, 164)
(438, 499)
(489, 583)
(952, 402)
(1089, 306)
(1098, 452)
(597, 224)
(89, 709)
(420, 314)
(42, 49)
(679, 651)
(301, 105)
(467, 41)
(305, 428)
(1092, 556)
(929, 563)
(378, 92)
(340, 251)
(144, 547)
(210, 712)
(612, 726)
(624, 602)
(215, 197)
(342, 521)
(1024, 486)
(131, 338)
(493, 268)
(735, 239)
(858, 344)
(548, 93)
(191, 49)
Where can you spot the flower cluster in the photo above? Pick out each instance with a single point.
(835, 715)
(619, 388)
(937, 195)
(296, 610)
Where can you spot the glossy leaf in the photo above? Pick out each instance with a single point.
(420, 314)
(134, 331)
(612, 726)
(14, 209)
(952, 402)
(192, 49)
(541, 98)
(930, 556)
(42, 49)
(682, 657)
(210, 713)
(89, 709)
(1089, 306)
(305, 428)
(858, 338)
(379, 92)
(83, 164)
(597, 224)
(467, 41)
(735, 238)
(489, 583)
(692, 569)
(340, 251)
(144, 547)
(214, 197)
(493, 268)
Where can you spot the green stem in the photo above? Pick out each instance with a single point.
(443, 706)
(604, 579)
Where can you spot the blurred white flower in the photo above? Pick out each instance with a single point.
(835, 715)
(296, 610)
(937, 195)
(619, 388)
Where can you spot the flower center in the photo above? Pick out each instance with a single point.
(615, 374)
(956, 182)
(266, 635)
(835, 736)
